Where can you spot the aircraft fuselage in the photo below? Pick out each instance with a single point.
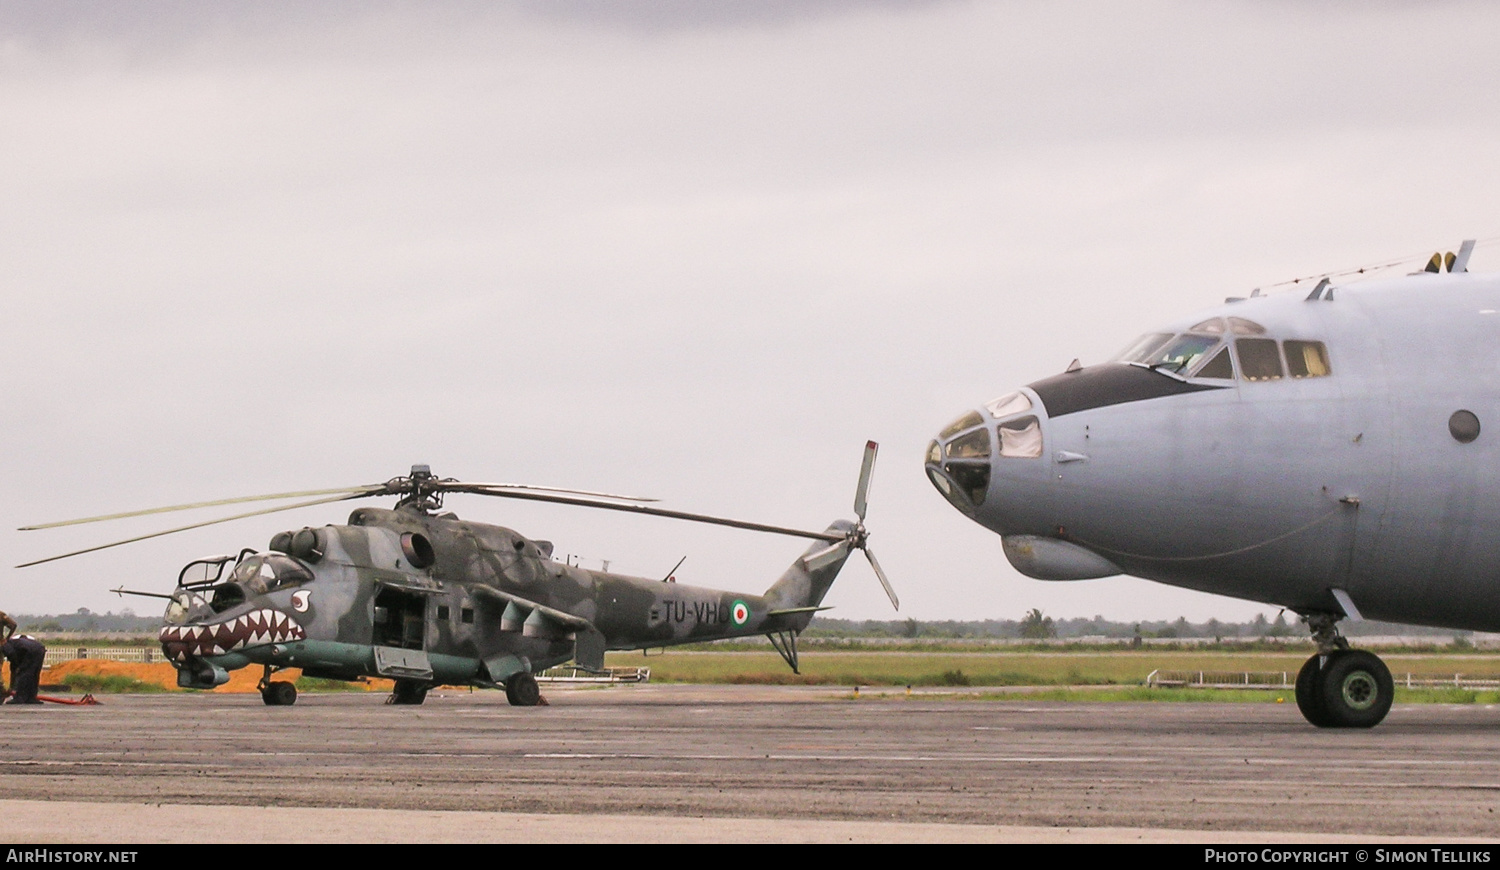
(1329, 447)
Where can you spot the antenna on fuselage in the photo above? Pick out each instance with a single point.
(671, 578)
(1323, 291)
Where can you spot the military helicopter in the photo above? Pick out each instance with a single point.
(418, 595)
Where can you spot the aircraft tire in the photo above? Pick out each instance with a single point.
(1356, 690)
(1309, 692)
(408, 692)
(521, 690)
(279, 694)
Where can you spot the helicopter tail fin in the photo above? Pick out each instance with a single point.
(801, 588)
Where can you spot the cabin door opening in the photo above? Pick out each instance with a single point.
(400, 619)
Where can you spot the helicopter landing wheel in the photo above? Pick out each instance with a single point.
(408, 692)
(521, 690)
(279, 694)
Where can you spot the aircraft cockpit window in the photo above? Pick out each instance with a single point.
(252, 574)
(1219, 367)
(972, 480)
(1183, 353)
(1241, 326)
(226, 596)
(1142, 348)
(1011, 403)
(1021, 438)
(1211, 326)
(1307, 359)
(975, 445)
(1259, 359)
(261, 574)
(967, 421)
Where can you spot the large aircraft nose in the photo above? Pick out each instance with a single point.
(989, 458)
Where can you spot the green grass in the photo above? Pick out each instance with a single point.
(1121, 693)
(1117, 668)
(1445, 696)
(113, 684)
(943, 668)
(1142, 693)
(320, 684)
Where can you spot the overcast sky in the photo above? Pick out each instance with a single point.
(690, 250)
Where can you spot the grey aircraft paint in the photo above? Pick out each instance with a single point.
(1342, 448)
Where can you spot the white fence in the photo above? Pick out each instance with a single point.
(136, 654)
(1287, 680)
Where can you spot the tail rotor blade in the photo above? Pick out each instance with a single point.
(880, 575)
(862, 492)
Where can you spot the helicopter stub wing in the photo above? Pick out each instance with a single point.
(573, 623)
(539, 620)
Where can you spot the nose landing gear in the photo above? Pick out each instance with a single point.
(276, 694)
(1341, 687)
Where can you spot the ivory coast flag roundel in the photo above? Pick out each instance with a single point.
(739, 613)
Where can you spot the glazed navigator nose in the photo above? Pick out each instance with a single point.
(961, 460)
(958, 462)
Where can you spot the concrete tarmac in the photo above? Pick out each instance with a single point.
(727, 763)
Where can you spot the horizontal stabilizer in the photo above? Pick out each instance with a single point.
(788, 611)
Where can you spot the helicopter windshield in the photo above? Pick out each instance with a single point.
(183, 605)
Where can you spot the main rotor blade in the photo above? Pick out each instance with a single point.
(880, 575)
(476, 487)
(346, 496)
(862, 491)
(656, 512)
(351, 490)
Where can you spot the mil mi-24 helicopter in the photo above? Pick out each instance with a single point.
(1317, 451)
(425, 598)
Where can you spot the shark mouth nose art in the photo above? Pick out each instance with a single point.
(251, 629)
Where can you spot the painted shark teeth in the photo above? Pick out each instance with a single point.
(250, 629)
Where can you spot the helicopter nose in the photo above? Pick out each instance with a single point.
(253, 628)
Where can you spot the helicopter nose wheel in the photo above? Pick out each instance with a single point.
(1345, 689)
(521, 690)
(279, 694)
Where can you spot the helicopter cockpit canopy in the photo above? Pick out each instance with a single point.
(266, 572)
(254, 574)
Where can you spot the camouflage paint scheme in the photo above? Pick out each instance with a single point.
(491, 604)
